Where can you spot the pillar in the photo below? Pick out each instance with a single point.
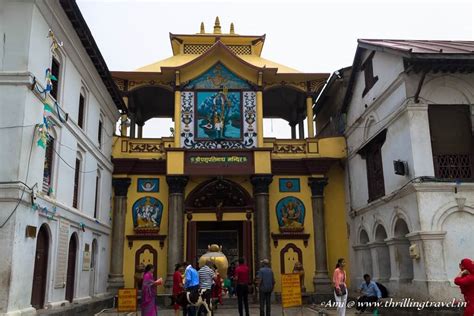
(123, 125)
(177, 111)
(176, 185)
(322, 284)
(118, 230)
(260, 110)
(262, 217)
(293, 130)
(309, 116)
(140, 130)
(133, 126)
(301, 130)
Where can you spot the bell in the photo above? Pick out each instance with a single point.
(214, 254)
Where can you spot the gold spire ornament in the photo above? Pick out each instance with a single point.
(217, 26)
(232, 31)
(202, 28)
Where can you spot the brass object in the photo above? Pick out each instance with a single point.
(214, 253)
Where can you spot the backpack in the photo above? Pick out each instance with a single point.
(382, 289)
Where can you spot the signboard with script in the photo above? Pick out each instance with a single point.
(127, 300)
(290, 290)
(226, 162)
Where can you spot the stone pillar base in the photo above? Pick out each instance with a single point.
(322, 284)
(169, 283)
(115, 282)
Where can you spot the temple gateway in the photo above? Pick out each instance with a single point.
(217, 179)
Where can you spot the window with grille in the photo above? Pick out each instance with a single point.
(75, 199)
(196, 49)
(372, 153)
(80, 112)
(368, 69)
(241, 49)
(48, 166)
(451, 141)
(55, 67)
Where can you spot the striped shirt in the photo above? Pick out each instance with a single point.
(206, 275)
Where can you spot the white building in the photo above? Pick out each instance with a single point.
(408, 115)
(56, 250)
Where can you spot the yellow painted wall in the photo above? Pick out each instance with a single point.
(308, 252)
(337, 239)
(129, 254)
(336, 227)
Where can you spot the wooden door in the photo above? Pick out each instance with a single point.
(71, 268)
(40, 269)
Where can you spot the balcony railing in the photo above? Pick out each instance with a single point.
(453, 166)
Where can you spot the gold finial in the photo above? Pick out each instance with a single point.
(232, 31)
(217, 26)
(202, 28)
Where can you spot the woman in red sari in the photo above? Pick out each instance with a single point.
(148, 305)
(465, 280)
(177, 285)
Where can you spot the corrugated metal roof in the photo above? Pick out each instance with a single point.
(423, 46)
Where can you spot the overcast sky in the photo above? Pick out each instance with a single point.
(311, 36)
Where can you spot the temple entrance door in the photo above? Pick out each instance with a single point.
(40, 270)
(235, 237)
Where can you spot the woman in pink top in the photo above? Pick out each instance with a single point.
(340, 288)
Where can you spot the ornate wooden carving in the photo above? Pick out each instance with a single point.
(160, 238)
(219, 195)
(290, 236)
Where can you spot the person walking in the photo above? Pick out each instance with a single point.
(465, 280)
(148, 304)
(340, 287)
(265, 285)
(206, 279)
(191, 284)
(177, 285)
(241, 277)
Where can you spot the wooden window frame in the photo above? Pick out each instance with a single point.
(97, 194)
(55, 71)
(372, 153)
(99, 132)
(77, 183)
(49, 159)
(81, 110)
(368, 69)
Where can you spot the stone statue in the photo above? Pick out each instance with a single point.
(298, 268)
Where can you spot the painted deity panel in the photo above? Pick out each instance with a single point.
(290, 214)
(289, 185)
(217, 77)
(219, 115)
(148, 185)
(147, 212)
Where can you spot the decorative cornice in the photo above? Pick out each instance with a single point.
(176, 184)
(317, 186)
(121, 186)
(260, 183)
(426, 235)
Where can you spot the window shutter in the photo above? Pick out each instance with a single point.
(48, 165)
(80, 115)
(55, 66)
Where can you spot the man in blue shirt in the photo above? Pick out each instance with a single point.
(191, 284)
(370, 294)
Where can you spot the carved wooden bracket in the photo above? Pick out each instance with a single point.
(290, 236)
(160, 238)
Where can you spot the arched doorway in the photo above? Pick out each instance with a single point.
(365, 259)
(93, 270)
(219, 196)
(383, 254)
(41, 268)
(71, 268)
(404, 260)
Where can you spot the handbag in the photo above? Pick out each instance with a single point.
(342, 290)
